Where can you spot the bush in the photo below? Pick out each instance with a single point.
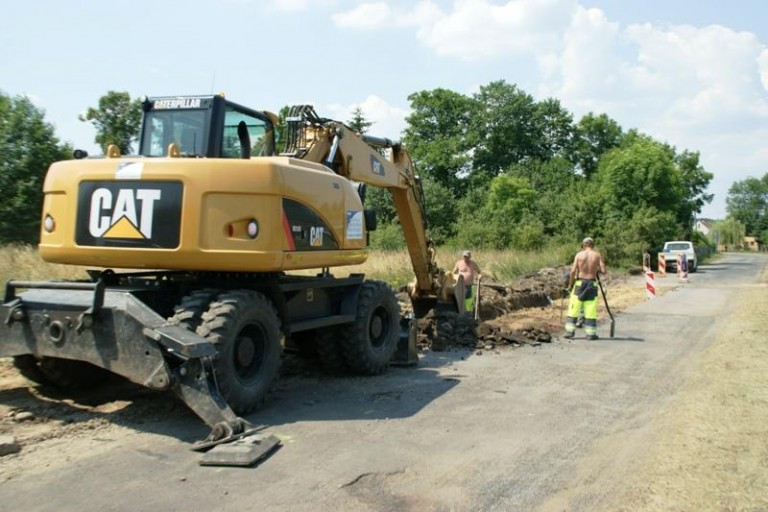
(388, 237)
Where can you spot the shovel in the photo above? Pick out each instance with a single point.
(477, 299)
(605, 300)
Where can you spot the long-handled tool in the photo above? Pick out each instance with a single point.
(562, 305)
(605, 300)
(477, 299)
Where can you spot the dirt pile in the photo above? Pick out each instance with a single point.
(500, 322)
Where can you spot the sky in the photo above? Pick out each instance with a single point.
(693, 74)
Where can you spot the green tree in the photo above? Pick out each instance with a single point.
(747, 202)
(441, 207)
(554, 124)
(359, 123)
(504, 129)
(552, 180)
(695, 180)
(500, 216)
(28, 146)
(281, 130)
(437, 137)
(380, 200)
(117, 120)
(728, 232)
(593, 137)
(625, 239)
(637, 175)
(511, 195)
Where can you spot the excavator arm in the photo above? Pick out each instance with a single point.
(377, 162)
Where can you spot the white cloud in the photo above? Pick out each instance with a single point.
(480, 29)
(660, 78)
(374, 15)
(292, 5)
(35, 99)
(388, 120)
(379, 15)
(700, 88)
(472, 29)
(762, 63)
(589, 63)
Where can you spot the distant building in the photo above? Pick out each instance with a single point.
(751, 243)
(704, 226)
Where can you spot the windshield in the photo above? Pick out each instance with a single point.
(681, 246)
(184, 127)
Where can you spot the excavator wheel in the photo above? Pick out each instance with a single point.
(189, 312)
(61, 373)
(329, 350)
(369, 343)
(245, 328)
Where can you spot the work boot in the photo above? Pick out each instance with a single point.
(592, 337)
(569, 335)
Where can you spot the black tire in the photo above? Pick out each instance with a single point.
(61, 373)
(245, 328)
(369, 343)
(189, 313)
(329, 351)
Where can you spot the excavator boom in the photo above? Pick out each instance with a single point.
(377, 162)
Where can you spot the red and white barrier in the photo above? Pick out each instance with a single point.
(662, 265)
(650, 285)
(682, 267)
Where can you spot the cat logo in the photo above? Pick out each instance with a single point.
(129, 213)
(316, 236)
(376, 166)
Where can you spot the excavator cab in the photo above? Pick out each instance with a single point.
(205, 126)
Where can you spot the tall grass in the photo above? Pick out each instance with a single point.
(394, 267)
(23, 262)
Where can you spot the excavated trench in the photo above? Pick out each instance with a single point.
(496, 325)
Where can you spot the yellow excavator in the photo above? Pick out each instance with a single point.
(228, 221)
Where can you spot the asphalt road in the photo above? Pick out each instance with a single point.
(556, 427)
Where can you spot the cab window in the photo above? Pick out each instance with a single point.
(184, 127)
(260, 132)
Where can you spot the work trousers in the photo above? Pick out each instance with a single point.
(588, 304)
(469, 299)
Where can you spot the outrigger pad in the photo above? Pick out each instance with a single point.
(243, 452)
